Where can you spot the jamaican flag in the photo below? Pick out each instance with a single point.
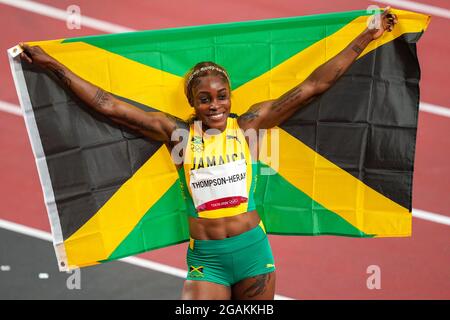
(345, 162)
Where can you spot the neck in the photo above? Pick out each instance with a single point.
(200, 126)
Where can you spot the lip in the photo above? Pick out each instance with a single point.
(216, 116)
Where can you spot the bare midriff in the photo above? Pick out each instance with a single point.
(221, 228)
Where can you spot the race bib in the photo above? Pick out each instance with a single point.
(221, 186)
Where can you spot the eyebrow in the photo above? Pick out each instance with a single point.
(207, 92)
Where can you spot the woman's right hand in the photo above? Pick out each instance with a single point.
(35, 55)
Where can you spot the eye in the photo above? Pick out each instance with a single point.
(222, 97)
(204, 99)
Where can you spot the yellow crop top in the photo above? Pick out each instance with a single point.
(218, 177)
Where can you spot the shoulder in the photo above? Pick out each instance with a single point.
(253, 116)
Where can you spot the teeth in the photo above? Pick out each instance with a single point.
(216, 116)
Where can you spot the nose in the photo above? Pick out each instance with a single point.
(213, 105)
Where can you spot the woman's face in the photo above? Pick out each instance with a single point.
(212, 102)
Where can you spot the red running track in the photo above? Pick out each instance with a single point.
(308, 267)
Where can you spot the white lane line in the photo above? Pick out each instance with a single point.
(5, 268)
(148, 264)
(28, 231)
(437, 110)
(416, 6)
(59, 14)
(143, 263)
(10, 108)
(425, 107)
(433, 217)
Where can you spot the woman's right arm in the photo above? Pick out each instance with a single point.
(155, 125)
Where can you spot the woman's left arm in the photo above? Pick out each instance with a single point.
(268, 114)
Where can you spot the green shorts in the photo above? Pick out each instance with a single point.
(228, 261)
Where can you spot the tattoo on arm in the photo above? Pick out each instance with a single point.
(60, 74)
(287, 99)
(357, 49)
(259, 286)
(101, 99)
(251, 114)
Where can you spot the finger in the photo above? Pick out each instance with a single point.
(389, 22)
(390, 19)
(25, 47)
(386, 11)
(395, 19)
(386, 25)
(25, 57)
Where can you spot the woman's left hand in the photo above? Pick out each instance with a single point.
(386, 22)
